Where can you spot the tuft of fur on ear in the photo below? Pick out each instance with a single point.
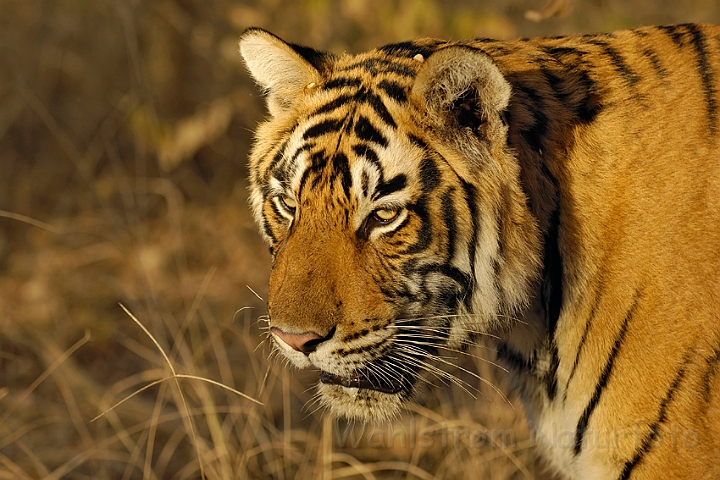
(282, 69)
(464, 95)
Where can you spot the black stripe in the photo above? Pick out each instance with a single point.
(449, 296)
(591, 104)
(653, 436)
(304, 148)
(446, 295)
(389, 293)
(557, 83)
(279, 155)
(322, 128)
(429, 175)
(706, 73)
(349, 125)
(377, 104)
(448, 217)
(621, 66)
(333, 105)
(363, 150)
(583, 339)
(425, 233)
(574, 88)
(393, 90)
(317, 164)
(655, 62)
(375, 66)
(604, 377)
(362, 96)
(341, 168)
(470, 197)
(577, 80)
(552, 295)
(365, 180)
(397, 242)
(383, 189)
(677, 33)
(552, 275)
(343, 82)
(417, 141)
(564, 52)
(454, 273)
(281, 171)
(366, 131)
(710, 373)
(515, 360)
(550, 377)
(408, 49)
(268, 231)
(534, 134)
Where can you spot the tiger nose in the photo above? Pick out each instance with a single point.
(302, 342)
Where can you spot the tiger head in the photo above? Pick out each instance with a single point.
(386, 188)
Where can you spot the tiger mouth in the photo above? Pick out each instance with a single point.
(366, 380)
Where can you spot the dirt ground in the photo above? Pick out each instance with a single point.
(131, 271)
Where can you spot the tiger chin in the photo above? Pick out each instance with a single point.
(560, 196)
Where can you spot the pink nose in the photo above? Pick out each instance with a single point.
(302, 342)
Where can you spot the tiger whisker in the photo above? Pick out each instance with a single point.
(261, 344)
(403, 364)
(402, 341)
(415, 355)
(441, 330)
(315, 403)
(461, 315)
(438, 373)
(465, 370)
(378, 371)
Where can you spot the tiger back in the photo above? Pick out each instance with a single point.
(559, 194)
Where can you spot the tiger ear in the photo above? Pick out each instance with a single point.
(282, 69)
(464, 94)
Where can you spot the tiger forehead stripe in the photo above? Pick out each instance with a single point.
(342, 82)
(365, 130)
(322, 128)
(376, 66)
(394, 90)
(283, 171)
(364, 96)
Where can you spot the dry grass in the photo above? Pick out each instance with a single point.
(124, 128)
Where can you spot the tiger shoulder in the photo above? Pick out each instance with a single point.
(560, 195)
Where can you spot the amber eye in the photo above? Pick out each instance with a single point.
(288, 204)
(379, 218)
(385, 215)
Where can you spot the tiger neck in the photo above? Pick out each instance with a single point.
(528, 349)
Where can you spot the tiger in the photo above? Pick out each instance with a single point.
(557, 196)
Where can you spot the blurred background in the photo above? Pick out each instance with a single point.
(124, 131)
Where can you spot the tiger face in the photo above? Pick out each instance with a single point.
(374, 220)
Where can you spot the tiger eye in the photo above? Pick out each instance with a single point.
(386, 214)
(289, 203)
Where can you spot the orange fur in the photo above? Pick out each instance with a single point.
(443, 189)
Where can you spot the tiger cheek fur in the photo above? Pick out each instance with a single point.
(561, 195)
(330, 268)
